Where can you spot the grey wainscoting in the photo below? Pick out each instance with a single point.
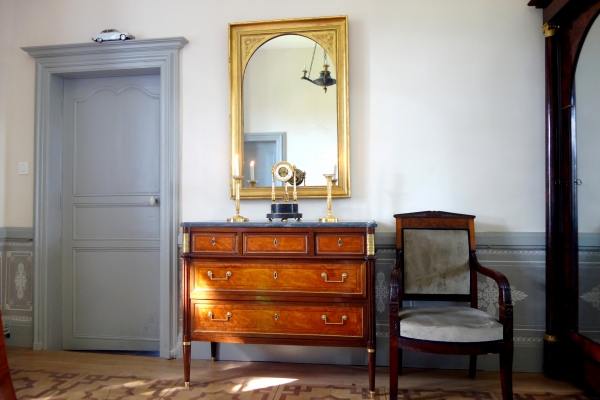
(520, 256)
(589, 286)
(16, 285)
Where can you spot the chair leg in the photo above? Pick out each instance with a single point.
(399, 361)
(472, 366)
(213, 351)
(506, 361)
(394, 368)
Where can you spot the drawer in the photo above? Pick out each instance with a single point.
(278, 318)
(275, 243)
(225, 243)
(340, 278)
(340, 244)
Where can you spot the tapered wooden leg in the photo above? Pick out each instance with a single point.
(213, 351)
(371, 361)
(187, 357)
(394, 361)
(472, 366)
(506, 361)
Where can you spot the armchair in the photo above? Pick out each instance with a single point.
(436, 261)
(7, 391)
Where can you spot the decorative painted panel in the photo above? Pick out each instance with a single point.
(589, 294)
(16, 290)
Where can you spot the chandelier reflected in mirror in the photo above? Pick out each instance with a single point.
(324, 78)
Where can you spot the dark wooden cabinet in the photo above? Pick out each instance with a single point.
(567, 352)
(298, 283)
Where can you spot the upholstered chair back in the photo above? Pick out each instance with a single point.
(436, 261)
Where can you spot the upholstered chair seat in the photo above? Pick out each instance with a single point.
(446, 324)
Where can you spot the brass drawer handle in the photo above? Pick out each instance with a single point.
(324, 275)
(340, 242)
(275, 242)
(227, 275)
(213, 241)
(211, 316)
(324, 318)
(276, 316)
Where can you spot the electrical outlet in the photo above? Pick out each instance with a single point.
(23, 168)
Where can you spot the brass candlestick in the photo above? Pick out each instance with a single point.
(237, 217)
(252, 182)
(329, 217)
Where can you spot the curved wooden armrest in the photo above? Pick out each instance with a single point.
(505, 307)
(498, 277)
(395, 281)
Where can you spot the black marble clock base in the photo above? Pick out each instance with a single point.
(284, 211)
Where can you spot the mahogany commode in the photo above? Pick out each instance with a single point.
(296, 283)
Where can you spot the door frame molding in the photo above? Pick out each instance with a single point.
(86, 60)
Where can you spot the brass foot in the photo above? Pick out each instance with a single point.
(213, 359)
(187, 385)
(372, 394)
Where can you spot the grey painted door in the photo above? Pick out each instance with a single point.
(110, 237)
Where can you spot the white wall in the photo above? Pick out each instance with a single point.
(446, 102)
(6, 33)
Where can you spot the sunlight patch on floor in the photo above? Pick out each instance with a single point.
(260, 383)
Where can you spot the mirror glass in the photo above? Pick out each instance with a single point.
(278, 116)
(587, 82)
(286, 117)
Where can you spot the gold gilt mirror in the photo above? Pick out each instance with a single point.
(289, 102)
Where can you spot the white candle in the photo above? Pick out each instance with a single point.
(252, 170)
(334, 171)
(236, 165)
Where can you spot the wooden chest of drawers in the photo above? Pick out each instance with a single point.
(298, 283)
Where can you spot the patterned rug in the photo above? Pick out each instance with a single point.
(49, 385)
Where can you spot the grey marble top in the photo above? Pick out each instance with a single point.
(279, 224)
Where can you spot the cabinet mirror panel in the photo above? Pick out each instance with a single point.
(587, 81)
(289, 101)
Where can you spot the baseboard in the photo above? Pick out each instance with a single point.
(9, 233)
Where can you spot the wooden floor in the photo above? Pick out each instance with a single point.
(77, 375)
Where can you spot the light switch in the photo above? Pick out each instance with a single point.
(23, 168)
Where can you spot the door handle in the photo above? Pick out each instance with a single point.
(154, 200)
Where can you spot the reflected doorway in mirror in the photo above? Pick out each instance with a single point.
(266, 150)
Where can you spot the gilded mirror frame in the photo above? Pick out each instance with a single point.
(245, 38)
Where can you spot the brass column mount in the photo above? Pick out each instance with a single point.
(186, 243)
(549, 29)
(370, 244)
(550, 338)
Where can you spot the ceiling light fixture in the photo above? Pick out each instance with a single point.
(324, 78)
